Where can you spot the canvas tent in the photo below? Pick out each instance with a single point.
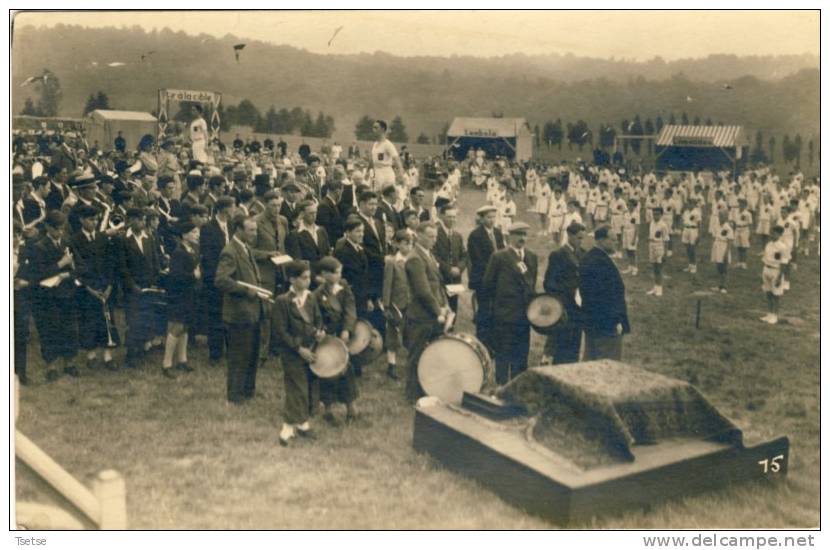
(103, 126)
(507, 137)
(715, 148)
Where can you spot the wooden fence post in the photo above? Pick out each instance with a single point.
(111, 492)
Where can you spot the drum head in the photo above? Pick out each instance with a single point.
(331, 358)
(545, 311)
(448, 367)
(361, 337)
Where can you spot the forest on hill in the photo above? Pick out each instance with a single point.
(330, 94)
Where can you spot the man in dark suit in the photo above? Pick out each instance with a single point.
(562, 281)
(53, 306)
(416, 202)
(507, 288)
(139, 270)
(328, 212)
(291, 196)
(449, 247)
(213, 238)
(350, 252)
(483, 241)
(603, 300)
(427, 309)
(309, 241)
(242, 308)
(34, 204)
(120, 143)
(374, 243)
(386, 211)
(95, 271)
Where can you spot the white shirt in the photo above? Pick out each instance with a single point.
(198, 130)
(383, 154)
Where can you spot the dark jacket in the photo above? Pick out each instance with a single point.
(330, 219)
(355, 270)
(182, 285)
(562, 278)
(449, 251)
(235, 265)
(292, 328)
(43, 263)
(139, 269)
(603, 294)
(506, 291)
(388, 215)
(300, 246)
(338, 310)
(480, 249)
(426, 291)
(375, 246)
(94, 262)
(211, 243)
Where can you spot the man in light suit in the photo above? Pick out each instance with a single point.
(483, 241)
(508, 287)
(242, 308)
(603, 300)
(427, 309)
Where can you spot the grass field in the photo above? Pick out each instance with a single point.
(193, 462)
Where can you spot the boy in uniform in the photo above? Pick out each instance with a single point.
(658, 235)
(776, 259)
(618, 213)
(743, 227)
(395, 298)
(630, 235)
(692, 220)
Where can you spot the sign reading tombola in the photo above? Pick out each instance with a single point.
(192, 95)
(480, 132)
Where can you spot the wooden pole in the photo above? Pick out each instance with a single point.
(111, 492)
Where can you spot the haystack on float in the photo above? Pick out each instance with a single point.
(570, 442)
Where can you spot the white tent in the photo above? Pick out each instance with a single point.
(103, 126)
(509, 137)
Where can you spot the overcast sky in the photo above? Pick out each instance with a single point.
(636, 34)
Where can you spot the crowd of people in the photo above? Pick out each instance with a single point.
(266, 253)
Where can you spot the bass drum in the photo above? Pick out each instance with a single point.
(544, 312)
(331, 358)
(454, 364)
(361, 337)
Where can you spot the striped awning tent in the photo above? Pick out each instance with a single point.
(676, 135)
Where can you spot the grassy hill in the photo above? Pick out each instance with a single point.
(773, 93)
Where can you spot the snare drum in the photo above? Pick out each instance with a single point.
(453, 364)
(372, 351)
(331, 358)
(544, 312)
(361, 337)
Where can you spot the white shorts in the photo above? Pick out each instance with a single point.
(742, 237)
(555, 223)
(617, 221)
(384, 176)
(629, 238)
(769, 277)
(690, 235)
(656, 252)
